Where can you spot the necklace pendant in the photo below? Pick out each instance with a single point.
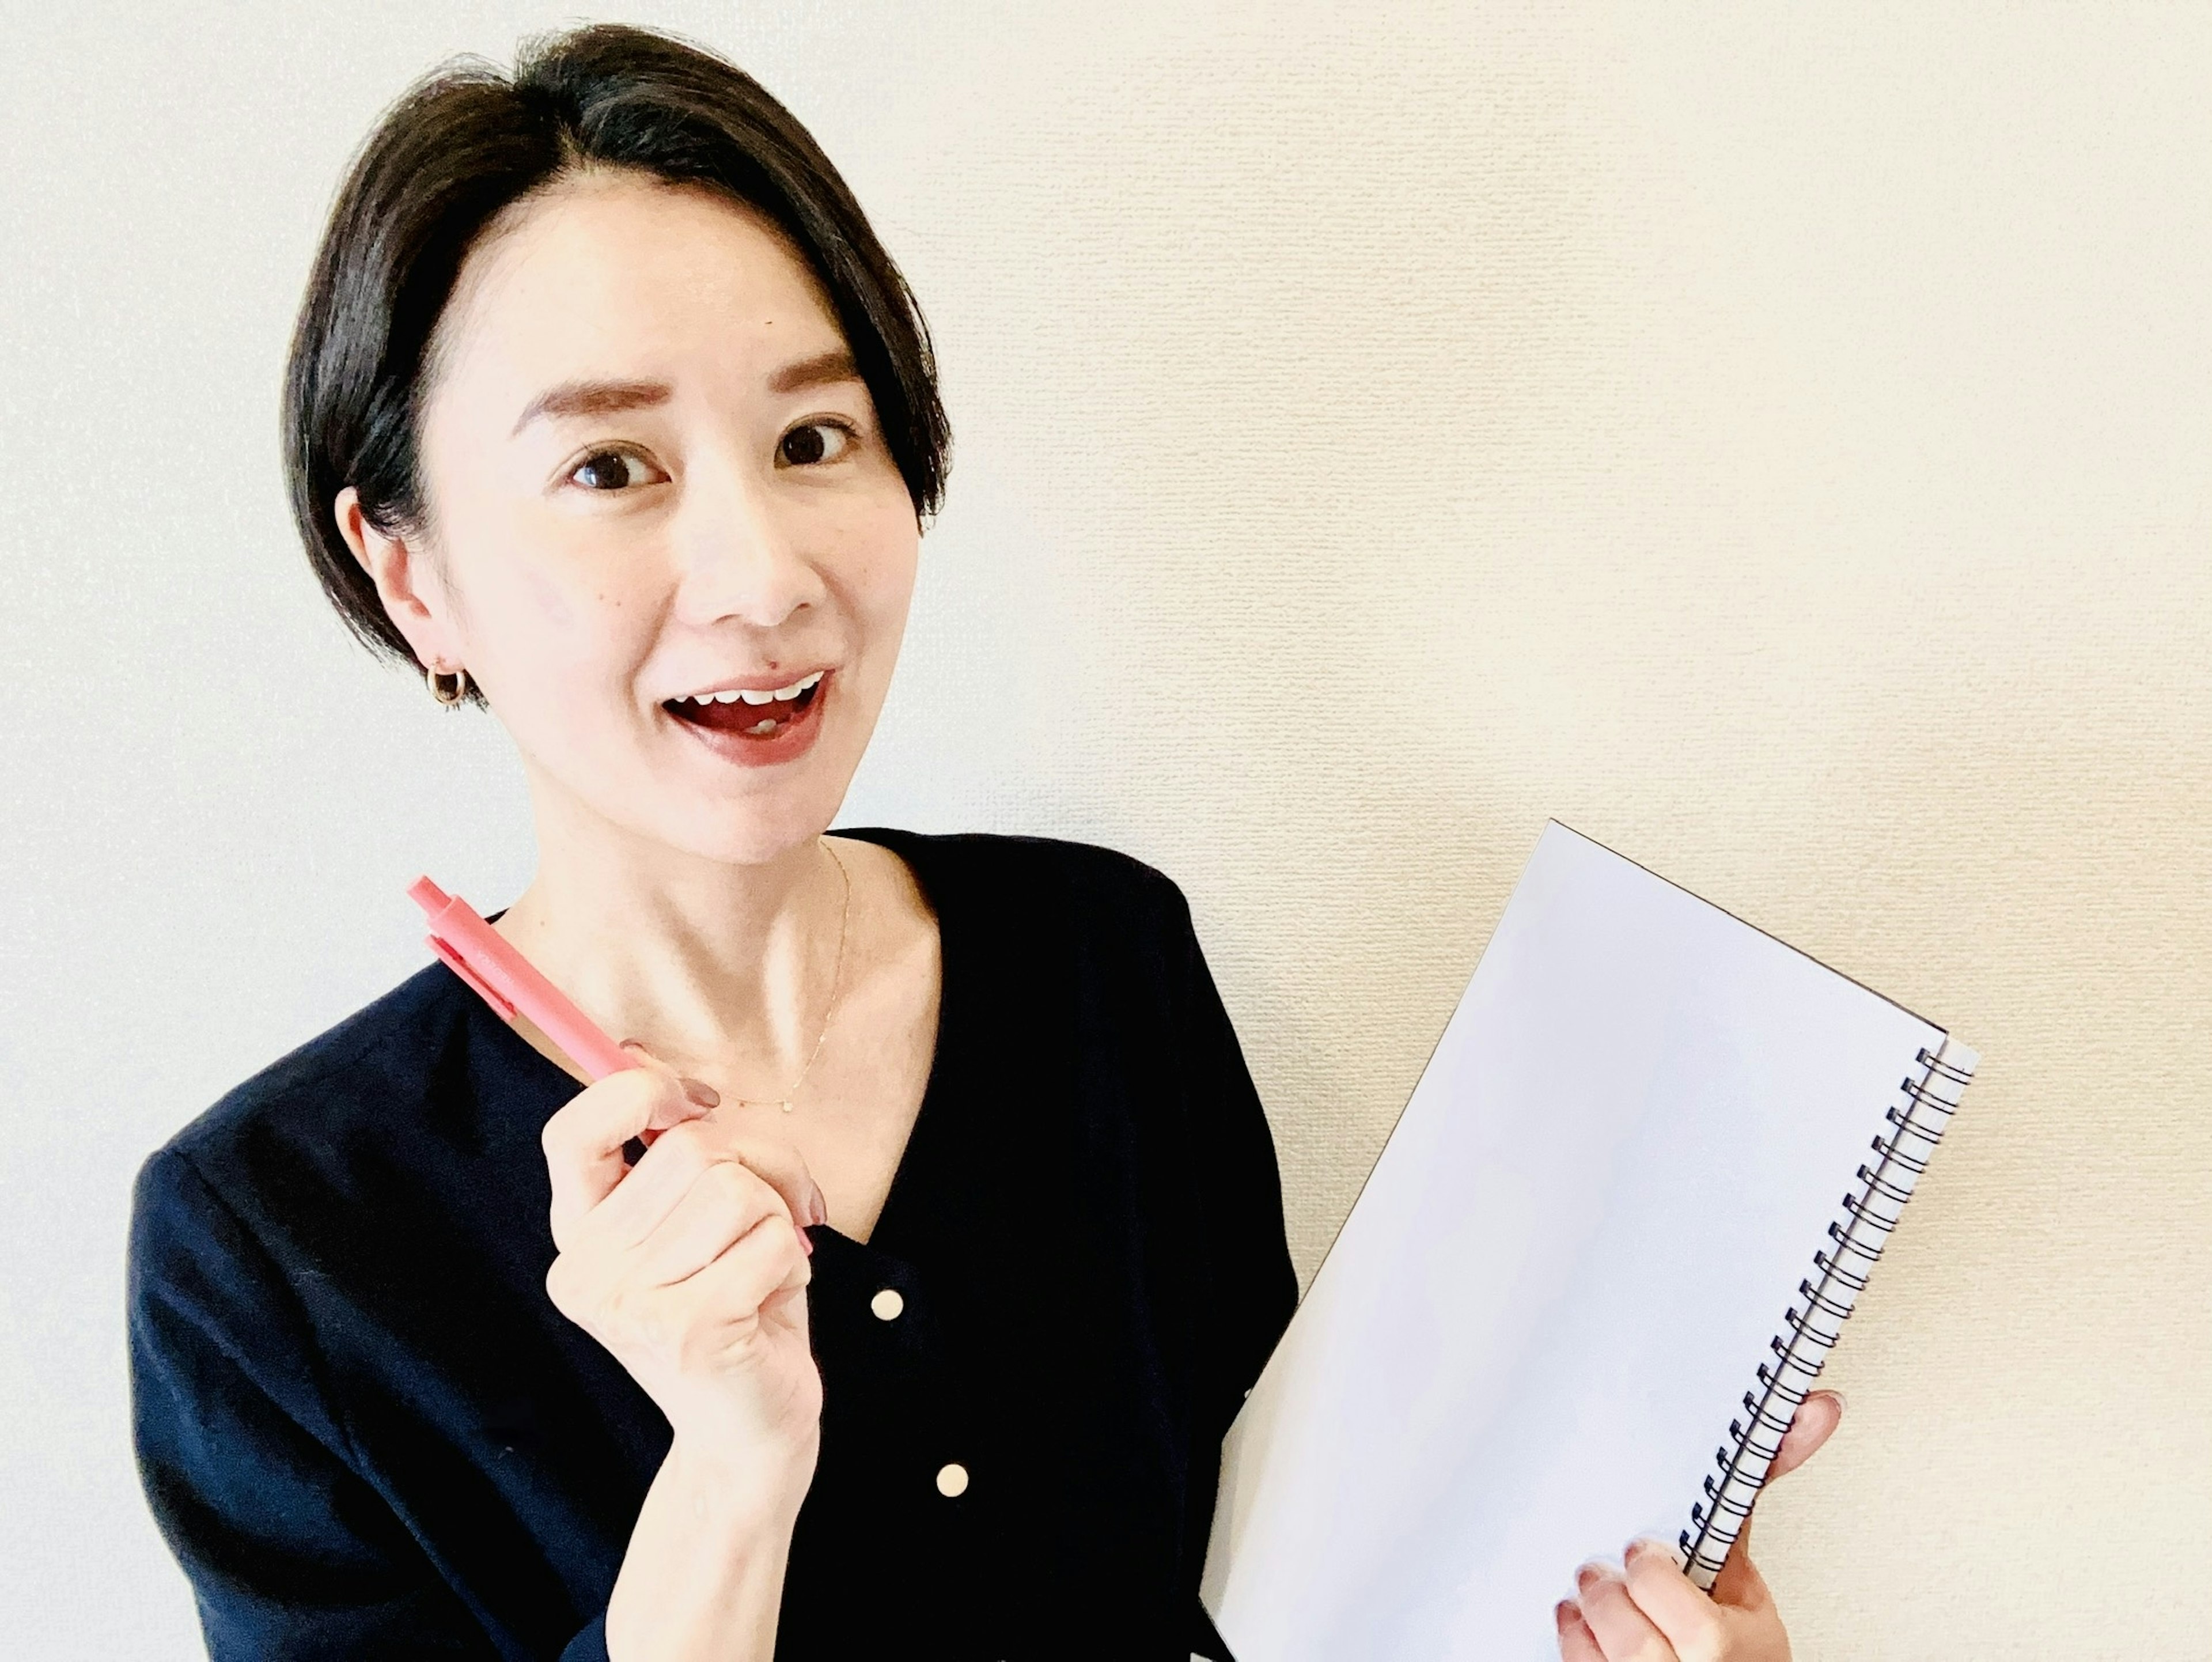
(837, 986)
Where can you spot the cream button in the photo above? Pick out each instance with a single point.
(887, 1305)
(952, 1480)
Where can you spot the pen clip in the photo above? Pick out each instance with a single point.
(458, 965)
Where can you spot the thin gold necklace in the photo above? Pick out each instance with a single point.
(836, 991)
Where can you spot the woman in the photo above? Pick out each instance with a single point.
(898, 1301)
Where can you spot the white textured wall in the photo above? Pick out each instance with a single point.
(1774, 442)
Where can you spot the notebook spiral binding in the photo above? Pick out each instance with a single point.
(1812, 1326)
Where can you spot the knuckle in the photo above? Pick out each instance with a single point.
(733, 1186)
(643, 1319)
(624, 1312)
(561, 1283)
(768, 1194)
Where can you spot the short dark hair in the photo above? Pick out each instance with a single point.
(468, 141)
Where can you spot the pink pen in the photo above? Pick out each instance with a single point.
(506, 980)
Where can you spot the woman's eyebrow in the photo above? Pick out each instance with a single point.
(592, 398)
(822, 369)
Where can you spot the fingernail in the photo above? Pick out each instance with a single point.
(702, 1093)
(1588, 1577)
(1563, 1613)
(1842, 1401)
(806, 1242)
(821, 1205)
(1645, 1546)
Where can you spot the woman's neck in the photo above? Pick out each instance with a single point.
(721, 968)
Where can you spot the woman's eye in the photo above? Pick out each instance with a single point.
(813, 443)
(611, 470)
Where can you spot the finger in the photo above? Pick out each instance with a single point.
(720, 1208)
(1740, 1586)
(687, 1149)
(698, 1091)
(727, 1298)
(1576, 1642)
(1691, 1622)
(655, 1187)
(1624, 1632)
(1816, 1421)
(583, 1141)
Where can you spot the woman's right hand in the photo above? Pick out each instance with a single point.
(689, 1268)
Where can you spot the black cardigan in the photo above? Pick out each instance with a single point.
(367, 1433)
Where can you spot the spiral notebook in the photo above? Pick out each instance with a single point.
(1602, 1257)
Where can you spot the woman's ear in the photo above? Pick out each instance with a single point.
(405, 583)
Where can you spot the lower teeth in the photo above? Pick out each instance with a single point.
(766, 729)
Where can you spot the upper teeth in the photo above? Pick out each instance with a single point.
(757, 695)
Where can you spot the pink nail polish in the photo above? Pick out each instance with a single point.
(1563, 1613)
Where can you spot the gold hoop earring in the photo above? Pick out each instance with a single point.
(431, 674)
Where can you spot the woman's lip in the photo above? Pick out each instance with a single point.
(795, 738)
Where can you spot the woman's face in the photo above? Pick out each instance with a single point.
(654, 483)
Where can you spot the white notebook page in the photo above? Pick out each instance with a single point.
(1530, 1338)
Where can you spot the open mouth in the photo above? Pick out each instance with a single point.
(760, 713)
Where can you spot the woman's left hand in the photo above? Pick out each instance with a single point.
(1650, 1611)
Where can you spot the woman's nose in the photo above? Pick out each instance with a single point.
(741, 556)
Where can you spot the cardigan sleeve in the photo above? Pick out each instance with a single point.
(1251, 1287)
(290, 1552)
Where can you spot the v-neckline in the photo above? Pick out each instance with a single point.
(903, 845)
